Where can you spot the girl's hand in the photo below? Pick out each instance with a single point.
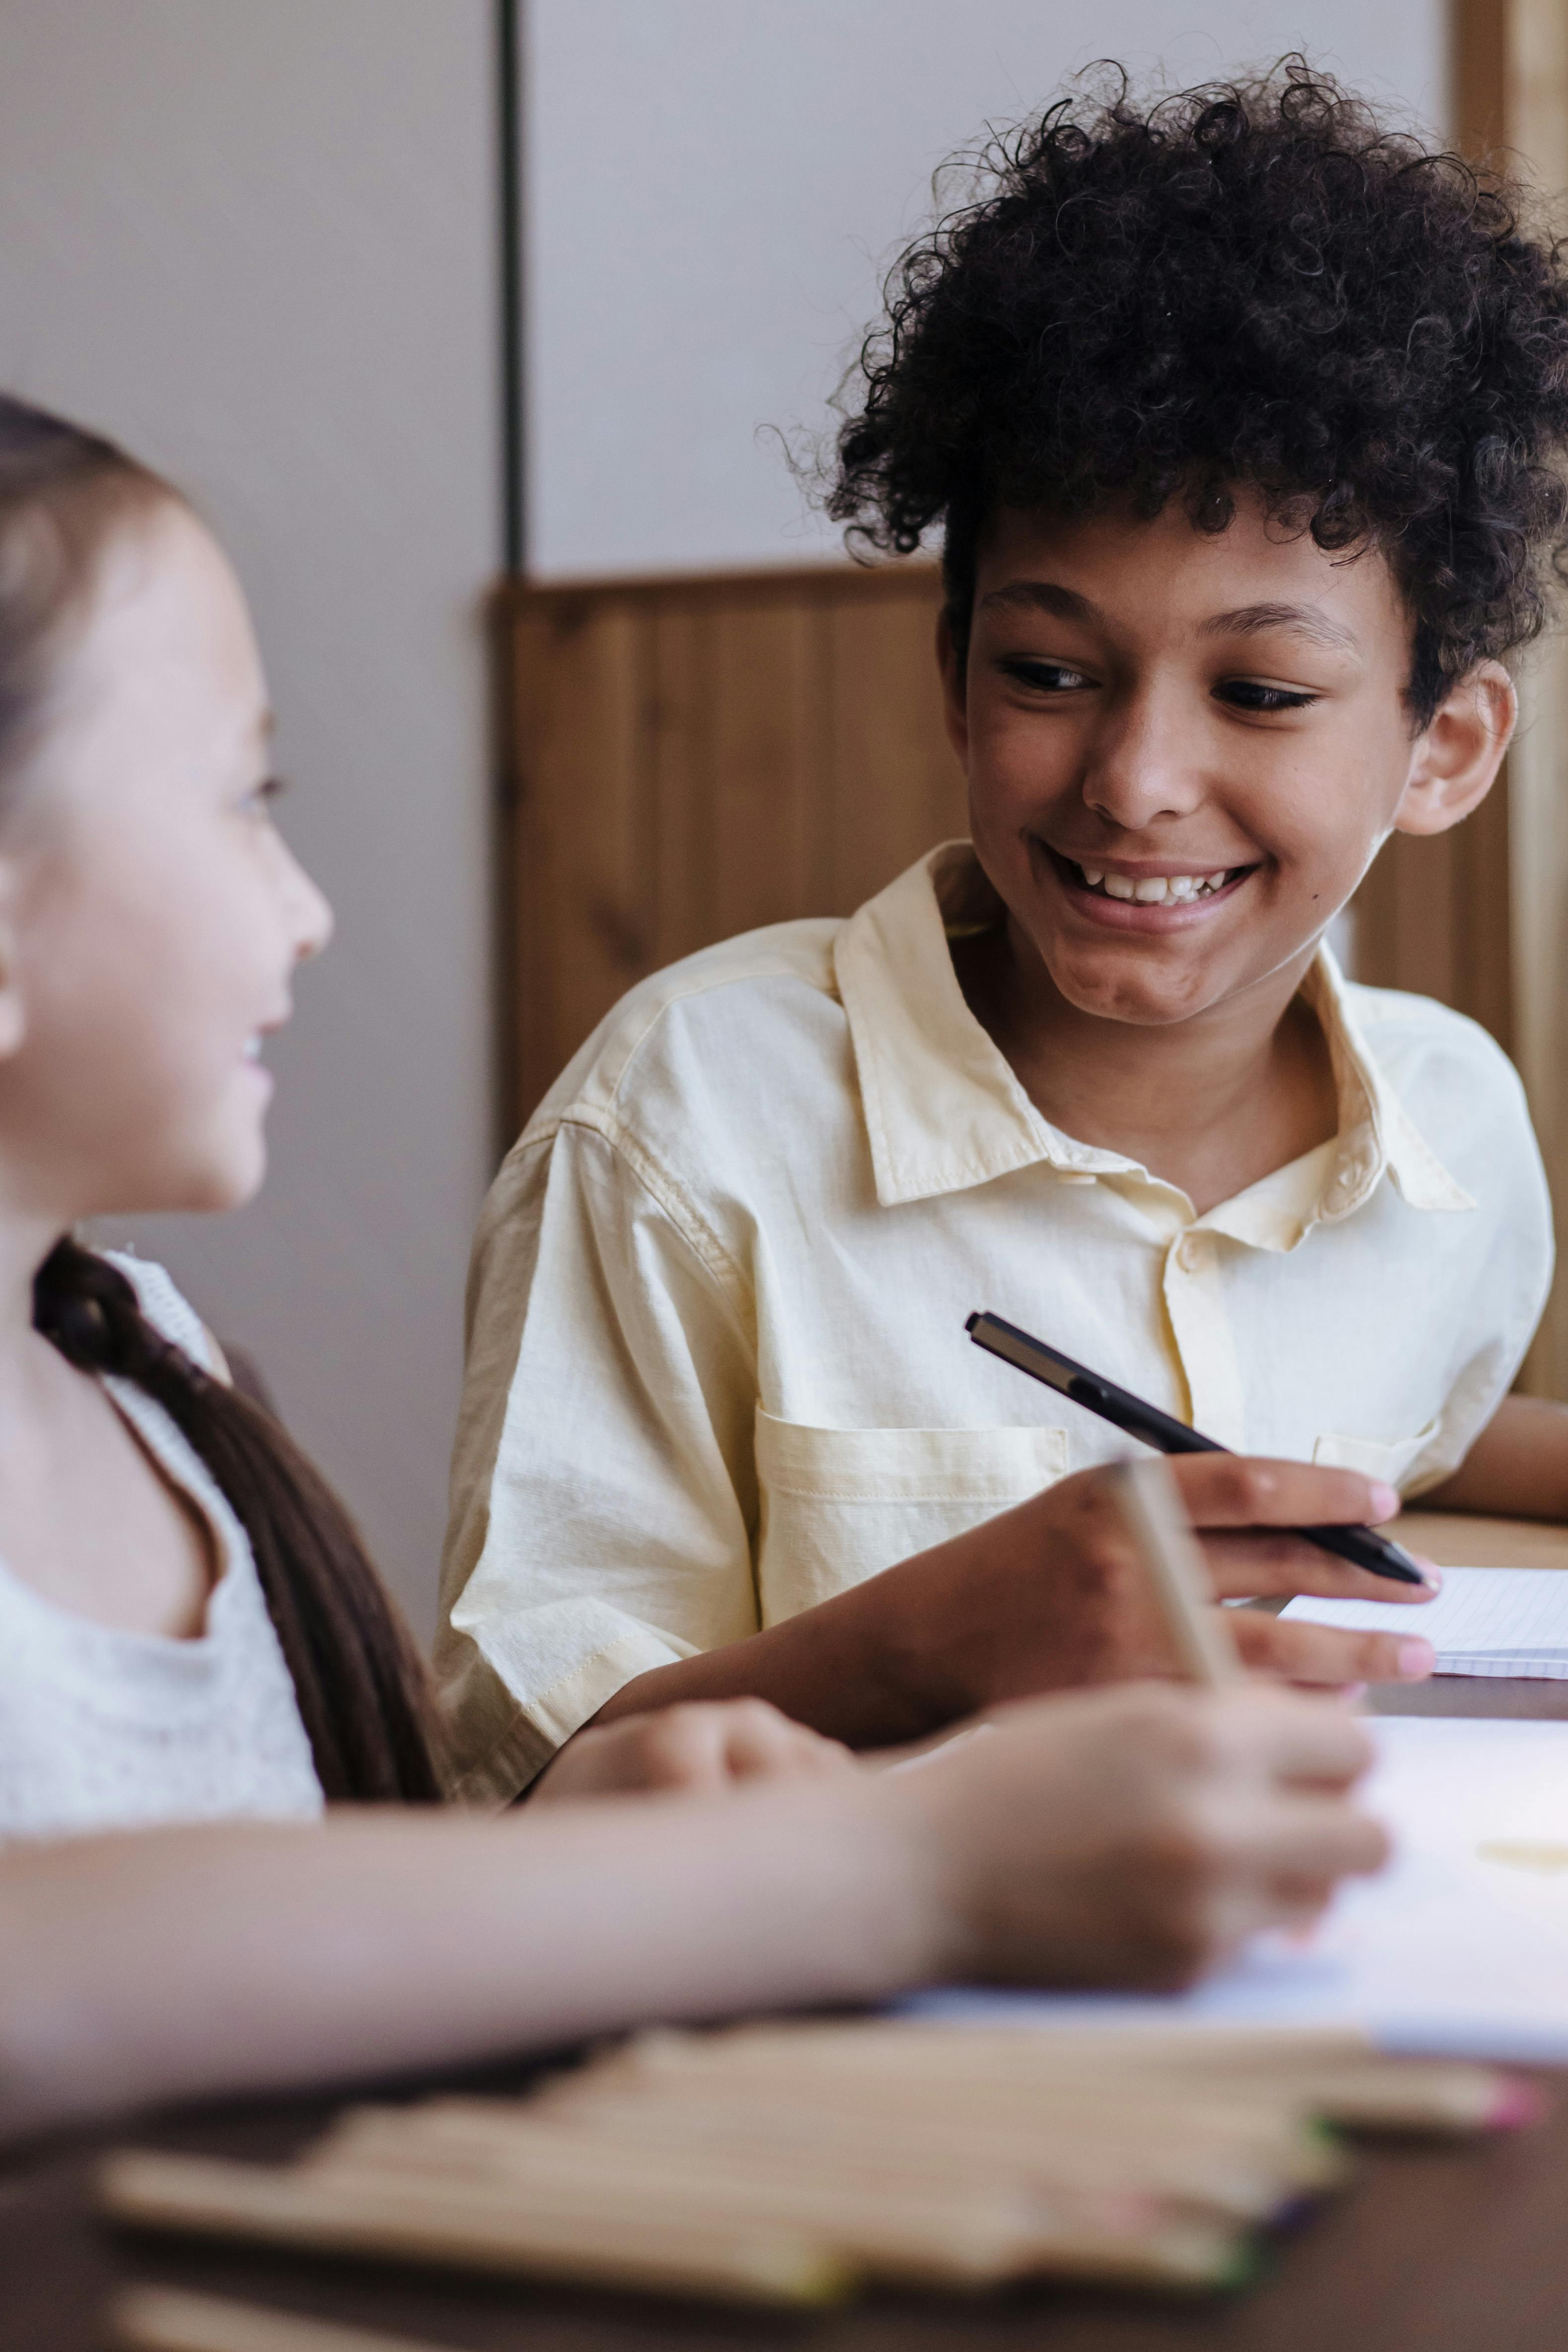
(1051, 1595)
(1139, 1836)
(699, 1747)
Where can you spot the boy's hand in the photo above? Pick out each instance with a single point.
(1139, 1836)
(1051, 1594)
(701, 1748)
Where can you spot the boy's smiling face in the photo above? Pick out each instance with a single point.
(1184, 749)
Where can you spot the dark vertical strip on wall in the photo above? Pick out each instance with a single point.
(505, 677)
(509, 40)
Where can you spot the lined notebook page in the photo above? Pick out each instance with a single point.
(1486, 1621)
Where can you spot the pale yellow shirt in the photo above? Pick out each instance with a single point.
(718, 1369)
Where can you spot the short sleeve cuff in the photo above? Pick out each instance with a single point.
(504, 1741)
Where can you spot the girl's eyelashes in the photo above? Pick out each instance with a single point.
(1249, 694)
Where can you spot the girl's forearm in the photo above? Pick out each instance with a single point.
(177, 1963)
(1126, 1837)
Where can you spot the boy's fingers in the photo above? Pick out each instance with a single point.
(1244, 1509)
(1248, 1563)
(1232, 1490)
(1323, 1654)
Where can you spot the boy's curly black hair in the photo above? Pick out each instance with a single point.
(1248, 284)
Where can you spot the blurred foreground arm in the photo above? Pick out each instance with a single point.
(1130, 1836)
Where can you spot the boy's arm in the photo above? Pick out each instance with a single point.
(1517, 1468)
(603, 1486)
(1050, 1596)
(1128, 1836)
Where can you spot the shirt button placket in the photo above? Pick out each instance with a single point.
(1195, 1304)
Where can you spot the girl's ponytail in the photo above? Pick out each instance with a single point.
(363, 1692)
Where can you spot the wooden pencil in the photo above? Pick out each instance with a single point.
(167, 2319)
(663, 2224)
(1168, 1553)
(294, 2206)
(1337, 2070)
(774, 2143)
(1229, 2178)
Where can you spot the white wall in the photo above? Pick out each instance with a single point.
(711, 185)
(255, 239)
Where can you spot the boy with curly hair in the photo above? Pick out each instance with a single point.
(1241, 419)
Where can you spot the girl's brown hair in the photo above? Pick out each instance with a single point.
(361, 1688)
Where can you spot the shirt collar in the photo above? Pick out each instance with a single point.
(944, 1110)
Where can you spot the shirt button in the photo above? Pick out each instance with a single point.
(1190, 1254)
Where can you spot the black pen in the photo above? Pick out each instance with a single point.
(1362, 1546)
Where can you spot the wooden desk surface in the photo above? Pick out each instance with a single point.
(1456, 1542)
(1434, 2250)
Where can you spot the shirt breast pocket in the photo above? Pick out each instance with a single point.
(839, 1505)
(1392, 1460)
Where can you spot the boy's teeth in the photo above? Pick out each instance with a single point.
(1153, 889)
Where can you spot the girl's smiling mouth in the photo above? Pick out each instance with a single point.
(1125, 894)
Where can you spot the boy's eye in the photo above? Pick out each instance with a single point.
(1247, 694)
(261, 798)
(1045, 677)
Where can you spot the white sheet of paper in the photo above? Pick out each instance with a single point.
(1486, 1621)
(1449, 1950)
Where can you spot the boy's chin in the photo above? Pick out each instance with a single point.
(1126, 983)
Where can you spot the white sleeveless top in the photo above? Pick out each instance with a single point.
(105, 1729)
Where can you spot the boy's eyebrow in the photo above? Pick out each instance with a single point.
(1307, 620)
(1046, 596)
(1248, 620)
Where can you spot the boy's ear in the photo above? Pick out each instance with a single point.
(13, 1012)
(954, 710)
(1455, 760)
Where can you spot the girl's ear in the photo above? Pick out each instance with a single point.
(1456, 761)
(13, 1014)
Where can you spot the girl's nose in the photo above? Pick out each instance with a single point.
(310, 909)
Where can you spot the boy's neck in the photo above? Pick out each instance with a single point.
(1211, 1104)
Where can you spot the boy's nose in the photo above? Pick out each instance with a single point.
(1139, 768)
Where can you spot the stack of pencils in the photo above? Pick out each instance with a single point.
(793, 2162)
